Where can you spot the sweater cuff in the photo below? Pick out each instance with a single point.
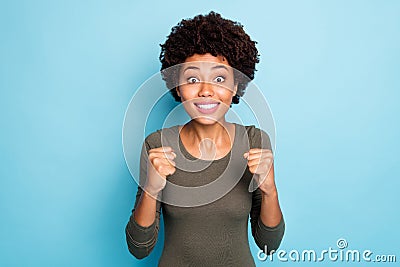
(278, 227)
(141, 233)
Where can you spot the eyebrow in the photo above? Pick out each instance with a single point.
(191, 68)
(220, 67)
(196, 68)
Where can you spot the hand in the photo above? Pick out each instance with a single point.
(260, 163)
(159, 164)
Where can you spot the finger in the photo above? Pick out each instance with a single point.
(165, 170)
(256, 151)
(161, 154)
(162, 161)
(169, 155)
(259, 155)
(162, 149)
(264, 162)
(168, 170)
(259, 169)
(170, 162)
(254, 169)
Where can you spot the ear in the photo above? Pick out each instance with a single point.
(177, 91)
(235, 88)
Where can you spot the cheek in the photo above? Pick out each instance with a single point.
(186, 96)
(227, 88)
(226, 94)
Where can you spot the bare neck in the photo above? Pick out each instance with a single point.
(218, 132)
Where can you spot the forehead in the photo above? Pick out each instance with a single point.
(205, 62)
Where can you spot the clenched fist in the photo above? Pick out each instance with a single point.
(160, 164)
(260, 163)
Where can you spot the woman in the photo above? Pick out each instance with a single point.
(212, 231)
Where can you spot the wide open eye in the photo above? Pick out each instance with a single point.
(193, 80)
(219, 79)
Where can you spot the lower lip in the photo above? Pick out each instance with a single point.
(207, 111)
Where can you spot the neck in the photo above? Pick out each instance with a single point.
(216, 132)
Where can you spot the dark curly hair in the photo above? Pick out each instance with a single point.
(210, 34)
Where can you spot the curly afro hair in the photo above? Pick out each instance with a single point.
(210, 34)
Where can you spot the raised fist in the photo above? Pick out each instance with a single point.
(160, 164)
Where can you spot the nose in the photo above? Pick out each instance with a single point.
(206, 89)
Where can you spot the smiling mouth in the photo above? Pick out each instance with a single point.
(207, 108)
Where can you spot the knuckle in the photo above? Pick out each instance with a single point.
(161, 169)
(156, 161)
(165, 149)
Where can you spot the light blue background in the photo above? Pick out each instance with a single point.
(329, 69)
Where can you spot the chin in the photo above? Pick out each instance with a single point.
(205, 120)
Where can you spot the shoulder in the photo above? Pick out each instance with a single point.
(153, 139)
(258, 138)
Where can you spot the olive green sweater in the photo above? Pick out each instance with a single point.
(205, 227)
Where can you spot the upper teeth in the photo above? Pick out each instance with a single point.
(208, 106)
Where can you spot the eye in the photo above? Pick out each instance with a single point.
(192, 80)
(220, 79)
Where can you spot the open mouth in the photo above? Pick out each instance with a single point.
(207, 108)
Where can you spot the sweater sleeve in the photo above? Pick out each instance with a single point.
(267, 238)
(264, 236)
(141, 240)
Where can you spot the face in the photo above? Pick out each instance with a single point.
(206, 87)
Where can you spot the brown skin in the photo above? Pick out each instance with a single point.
(207, 136)
(160, 164)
